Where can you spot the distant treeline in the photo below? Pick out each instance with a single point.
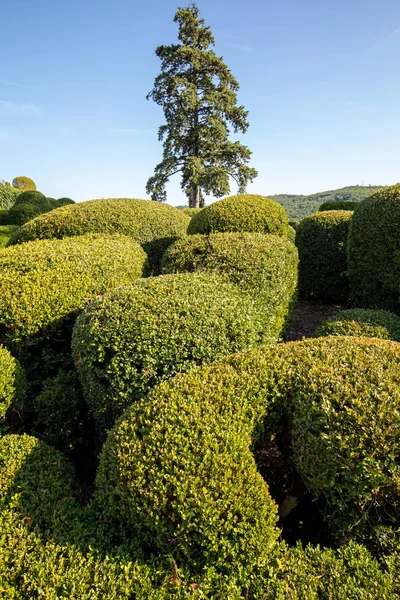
(298, 206)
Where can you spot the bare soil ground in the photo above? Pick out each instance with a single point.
(307, 317)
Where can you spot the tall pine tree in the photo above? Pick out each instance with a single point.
(198, 94)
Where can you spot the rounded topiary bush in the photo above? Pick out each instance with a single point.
(177, 474)
(23, 183)
(65, 201)
(35, 481)
(374, 249)
(245, 212)
(132, 338)
(180, 460)
(43, 286)
(291, 234)
(322, 240)
(362, 322)
(45, 281)
(12, 383)
(263, 266)
(152, 224)
(27, 206)
(8, 195)
(345, 205)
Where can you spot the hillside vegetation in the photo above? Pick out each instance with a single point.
(298, 206)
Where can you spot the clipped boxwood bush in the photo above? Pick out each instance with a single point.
(245, 212)
(362, 322)
(322, 240)
(132, 338)
(177, 473)
(35, 480)
(291, 234)
(345, 205)
(46, 281)
(179, 458)
(373, 252)
(263, 266)
(191, 211)
(65, 201)
(27, 206)
(23, 183)
(12, 383)
(152, 224)
(44, 284)
(6, 232)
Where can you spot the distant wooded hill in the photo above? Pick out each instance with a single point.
(299, 207)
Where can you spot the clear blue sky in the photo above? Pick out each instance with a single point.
(319, 77)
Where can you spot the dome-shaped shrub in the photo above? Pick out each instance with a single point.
(12, 382)
(28, 205)
(152, 224)
(177, 473)
(374, 250)
(179, 462)
(132, 338)
(362, 322)
(65, 201)
(246, 212)
(291, 234)
(23, 183)
(322, 240)
(345, 205)
(8, 195)
(35, 481)
(263, 266)
(45, 281)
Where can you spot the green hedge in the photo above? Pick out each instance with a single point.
(345, 205)
(263, 266)
(177, 459)
(291, 234)
(322, 240)
(132, 338)
(35, 481)
(23, 183)
(27, 206)
(191, 211)
(152, 224)
(46, 281)
(12, 383)
(6, 232)
(373, 252)
(362, 322)
(177, 473)
(65, 201)
(241, 213)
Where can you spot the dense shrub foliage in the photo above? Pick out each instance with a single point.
(263, 266)
(346, 205)
(362, 322)
(334, 394)
(178, 472)
(191, 211)
(6, 232)
(34, 479)
(132, 338)
(291, 234)
(241, 213)
(322, 240)
(12, 383)
(152, 224)
(24, 183)
(374, 247)
(8, 195)
(65, 201)
(45, 281)
(27, 206)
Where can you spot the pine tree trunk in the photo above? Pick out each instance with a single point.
(195, 198)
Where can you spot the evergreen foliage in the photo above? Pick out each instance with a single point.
(8, 195)
(374, 250)
(246, 212)
(198, 94)
(24, 183)
(322, 240)
(362, 322)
